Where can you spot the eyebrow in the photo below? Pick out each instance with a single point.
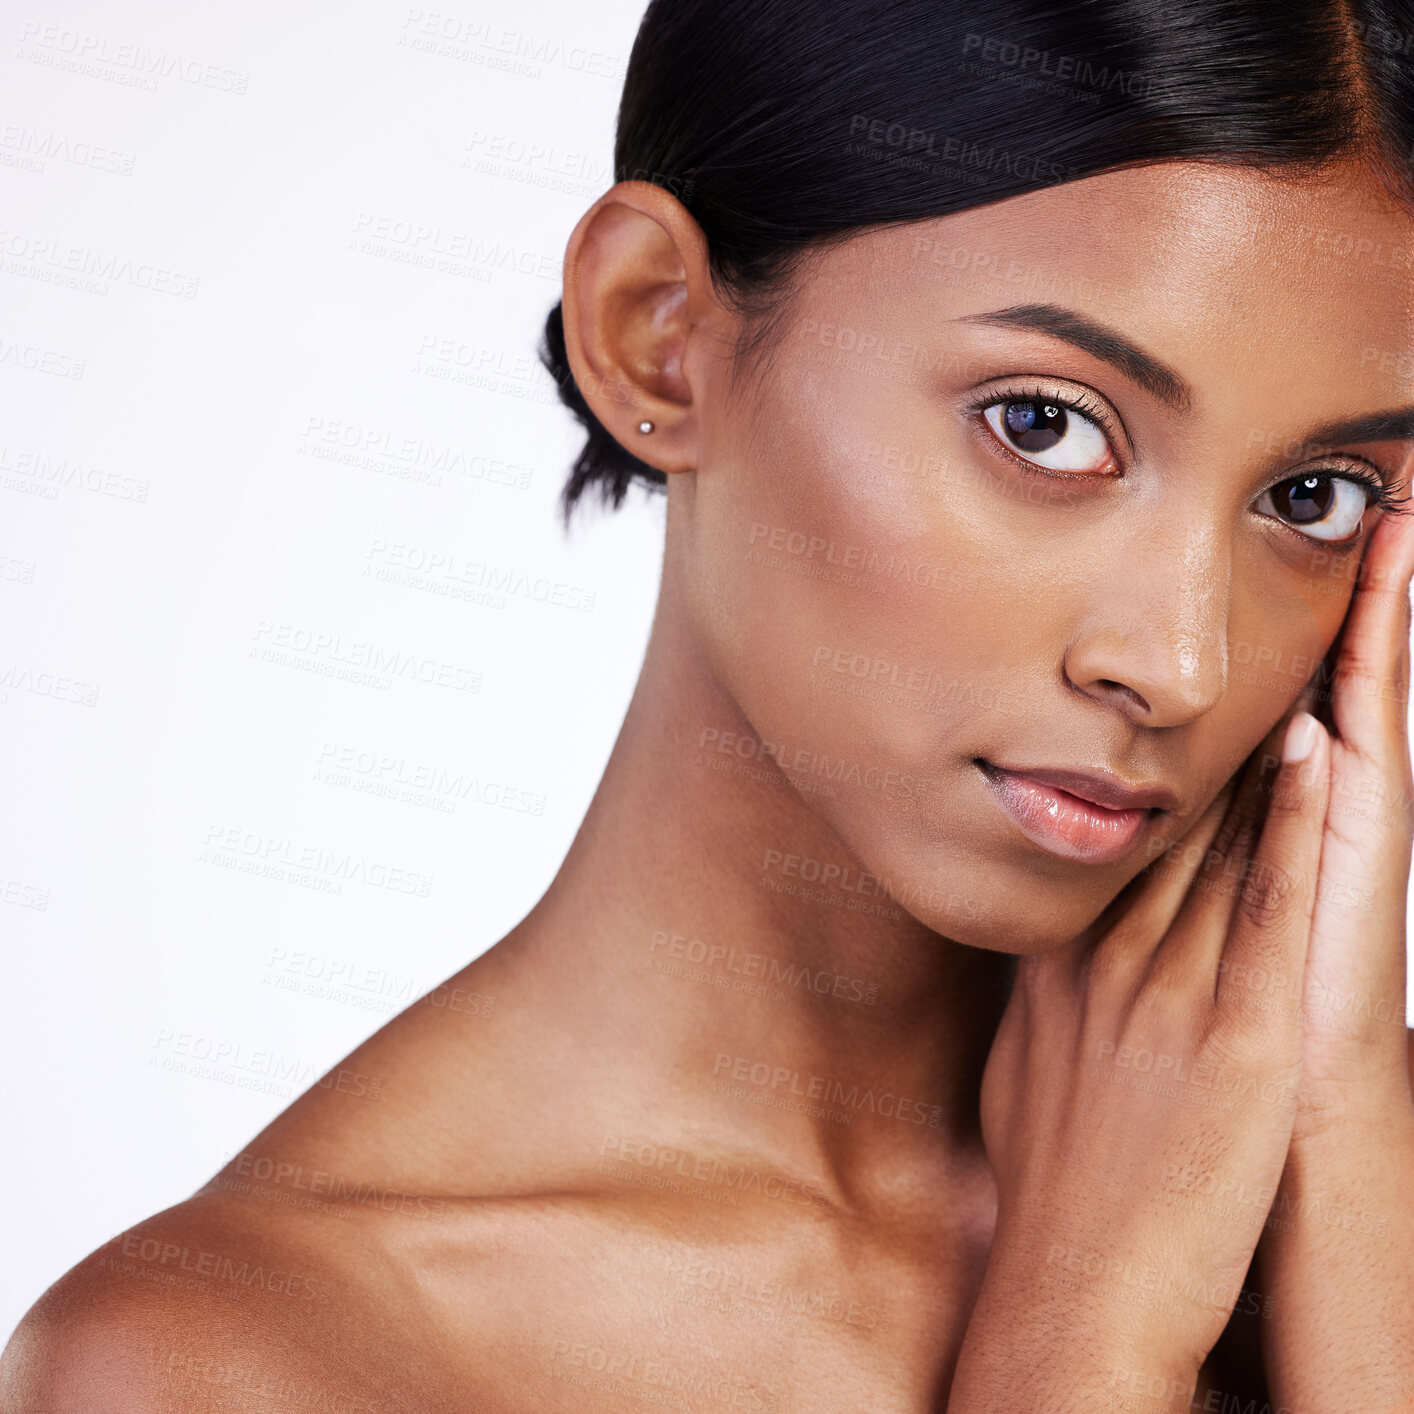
(1396, 425)
(1152, 374)
(1092, 337)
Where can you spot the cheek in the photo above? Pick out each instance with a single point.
(842, 607)
(872, 588)
(1281, 631)
(854, 605)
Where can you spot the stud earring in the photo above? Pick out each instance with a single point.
(645, 426)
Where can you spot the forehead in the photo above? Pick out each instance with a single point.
(1225, 272)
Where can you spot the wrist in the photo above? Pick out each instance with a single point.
(1336, 1128)
(1006, 1370)
(1116, 1296)
(1057, 1330)
(1346, 1184)
(1355, 1080)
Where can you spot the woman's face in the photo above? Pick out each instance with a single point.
(1028, 489)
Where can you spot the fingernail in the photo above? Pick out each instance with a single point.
(1300, 738)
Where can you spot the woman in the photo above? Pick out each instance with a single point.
(978, 983)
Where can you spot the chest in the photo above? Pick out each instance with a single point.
(574, 1317)
(570, 1312)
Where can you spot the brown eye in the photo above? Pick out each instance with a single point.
(1308, 499)
(1049, 433)
(1324, 505)
(1033, 427)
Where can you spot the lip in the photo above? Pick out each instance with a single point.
(1075, 814)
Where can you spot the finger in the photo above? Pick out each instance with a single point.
(1196, 930)
(1271, 922)
(1165, 883)
(1315, 698)
(1127, 938)
(1369, 687)
(1133, 922)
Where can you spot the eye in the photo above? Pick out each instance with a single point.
(1050, 433)
(1324, 505)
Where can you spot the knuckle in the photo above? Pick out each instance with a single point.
(1252, 1032)
(1267, 895)
(1238, 826)
(1239, 1040)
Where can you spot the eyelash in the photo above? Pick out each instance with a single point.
(1035, 393)
(1382, 494)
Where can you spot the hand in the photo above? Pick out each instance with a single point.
(1123, 1062)
(1353, 998)
(1337, 1259)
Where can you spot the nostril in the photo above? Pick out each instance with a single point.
(1110, 685)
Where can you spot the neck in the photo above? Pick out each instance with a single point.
(711, 937)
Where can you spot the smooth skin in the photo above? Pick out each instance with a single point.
(731, 1138)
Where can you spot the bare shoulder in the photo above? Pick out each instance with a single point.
(215, 1304)
(84, 1334)
(298, 1277)
(291, 1284)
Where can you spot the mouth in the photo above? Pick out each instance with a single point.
(1075, 814)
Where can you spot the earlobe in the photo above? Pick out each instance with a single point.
(636, 275)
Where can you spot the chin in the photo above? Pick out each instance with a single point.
(1010, 905)
(1023, 929)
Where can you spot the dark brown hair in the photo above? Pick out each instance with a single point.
(780, 124)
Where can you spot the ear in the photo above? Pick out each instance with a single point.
(638, 292)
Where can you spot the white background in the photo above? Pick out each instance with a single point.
(357, 278)
(339, 429)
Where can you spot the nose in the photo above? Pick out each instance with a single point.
(1152, 641)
